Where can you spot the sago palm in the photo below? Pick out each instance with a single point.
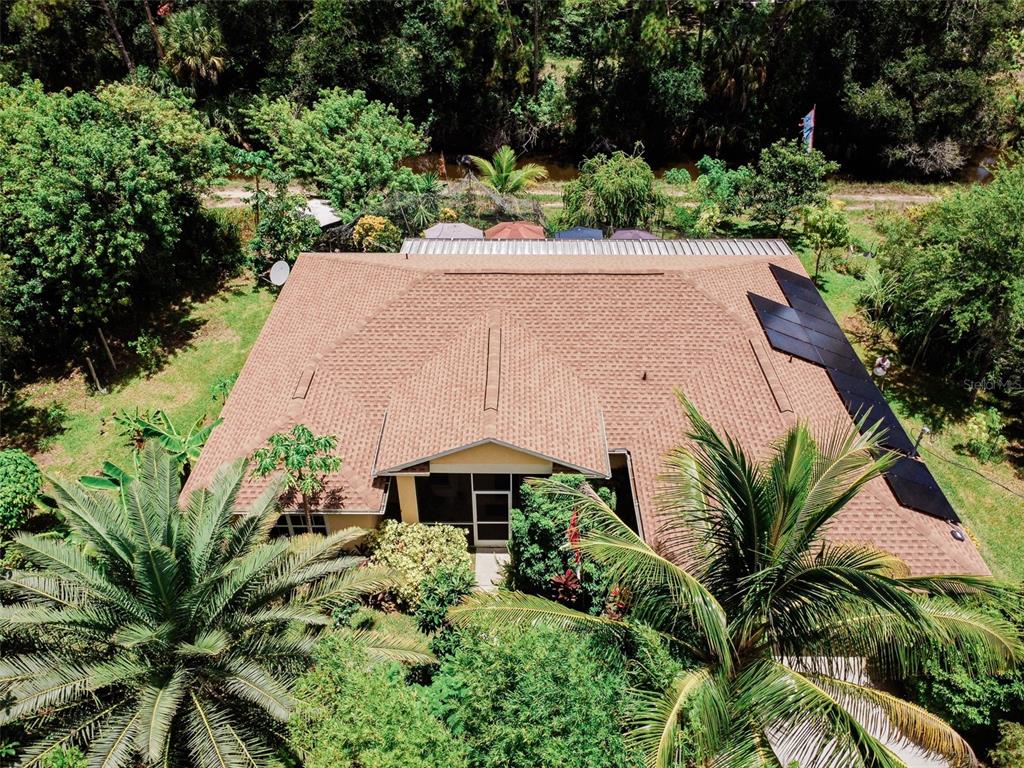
(166, 635)
(194, 46)
(764, 608)
(501, 173)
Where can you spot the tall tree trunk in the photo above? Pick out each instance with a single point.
(308, 514)
(117, 35)
(154, 31)
(535, 69)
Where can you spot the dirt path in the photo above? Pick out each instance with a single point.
(235, 196)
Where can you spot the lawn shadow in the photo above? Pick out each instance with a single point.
(29, 427)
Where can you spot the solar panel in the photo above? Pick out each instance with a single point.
(791, 346)
(807, 329)
(914, 486)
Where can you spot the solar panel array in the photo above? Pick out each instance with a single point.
(807, 329)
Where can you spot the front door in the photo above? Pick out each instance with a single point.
(492, 502)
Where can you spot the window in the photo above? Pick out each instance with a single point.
(294, 524)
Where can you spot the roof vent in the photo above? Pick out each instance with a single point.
(302, 386)
(492, 383)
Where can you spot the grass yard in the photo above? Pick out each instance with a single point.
(225, 326)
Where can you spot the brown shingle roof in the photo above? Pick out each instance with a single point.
(590, 350)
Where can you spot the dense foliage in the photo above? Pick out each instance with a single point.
(536, 697)
(347, 145)
(415, 552)
(100, 210)
(956, 277)
(284, 229)
(979, 706)
(768, 611)
(352, 712)
(181, 627)
(911, 86)
(785, 180)
(540, 554)
(612, 192)
(20, 482)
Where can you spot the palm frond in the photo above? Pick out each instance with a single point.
(808, 721)
(158, 706)
(633, 563)
(893, 718)
(251, 682)
(406, 648)
(113, 747)
(657, 725)
(516, 608)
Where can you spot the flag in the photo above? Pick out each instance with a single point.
(807, 128)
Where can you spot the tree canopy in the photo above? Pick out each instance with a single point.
(349, 146)
(956, 277)
(99, 227)
(900, 86)
(612, 192)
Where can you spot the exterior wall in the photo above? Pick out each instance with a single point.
(491, 458)
(407, 498)
(337, 523)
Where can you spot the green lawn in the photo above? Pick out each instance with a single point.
(223, 329)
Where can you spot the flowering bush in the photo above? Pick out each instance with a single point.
(416, 551)
(375, 233)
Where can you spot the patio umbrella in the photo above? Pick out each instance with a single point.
(633, 234)
(453, 231)
(580, 233)
(515, 230)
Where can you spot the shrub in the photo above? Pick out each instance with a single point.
(786, 179)
(65, 757)
(827, 230)
(148, 348)
(1009, 751)
(353, 713)
(538, 553)
(284, 229)
(20, 481)
(677, 177)
(375, 233)
(416, 551)
(535, 697)
(439, 591)
(613, 193)
(985, 440)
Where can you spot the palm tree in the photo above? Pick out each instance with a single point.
(166, 635)
(501, 174)
(767, 608)
(194, 46)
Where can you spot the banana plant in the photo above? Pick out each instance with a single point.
(183, 447)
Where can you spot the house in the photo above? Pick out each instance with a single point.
(451, 371)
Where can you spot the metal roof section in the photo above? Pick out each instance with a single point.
(321, 211)
(708, 247)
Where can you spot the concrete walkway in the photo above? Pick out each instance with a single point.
(489, 563)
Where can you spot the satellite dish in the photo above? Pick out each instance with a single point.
(279, 273)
